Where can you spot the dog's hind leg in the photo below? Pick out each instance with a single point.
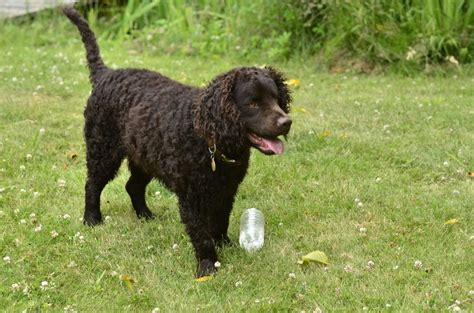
(104, 157)
(135, 187)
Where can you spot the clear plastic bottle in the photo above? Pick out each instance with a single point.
(252, 229)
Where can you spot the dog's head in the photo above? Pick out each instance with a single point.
(245, 107)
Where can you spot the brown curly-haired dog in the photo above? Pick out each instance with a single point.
(196, 141)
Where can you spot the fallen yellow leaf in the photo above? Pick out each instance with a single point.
(315, 256)
(451, 221)
(325, 133)
(129, 281)
(293, 82)
(72, 155)
(204, 278)
(299, 109)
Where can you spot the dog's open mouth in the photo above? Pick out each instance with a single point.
(266, 145)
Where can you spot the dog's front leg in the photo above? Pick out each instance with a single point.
(194, 210)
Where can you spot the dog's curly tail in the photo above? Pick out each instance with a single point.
(94, 61)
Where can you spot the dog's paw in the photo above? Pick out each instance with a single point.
(205, 268)
(146, 214)
(92, 220)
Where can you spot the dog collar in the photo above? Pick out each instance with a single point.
(213, 153)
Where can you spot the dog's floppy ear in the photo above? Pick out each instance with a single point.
(284, 93)
(215, 113)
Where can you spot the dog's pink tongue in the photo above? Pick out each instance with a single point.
(276, 145)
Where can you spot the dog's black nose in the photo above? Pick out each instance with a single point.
(284, 123)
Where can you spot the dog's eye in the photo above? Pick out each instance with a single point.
(253, 105)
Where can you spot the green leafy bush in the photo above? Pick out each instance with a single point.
(375, 31)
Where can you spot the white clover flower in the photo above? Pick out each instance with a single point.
(217, 264)
(22, 167)
(22, 221)
(239, 283)
(7, 259)
(2, 190)
(360, 204)
(149, 247)
(16, 211)
(378, 179)
(348, 269)
(26, 291)
(175, 246)
(370, 265)
(42, 131)
(22, 190)
(66, 216)
(36, 194)
(108, 218)
(38, 228)
(72, 264)
(471, 292)
(292, 275)
(70, 309)
(54, 234)
(395, 267)
(445, 163)
(157, 194)
(29, 156)
(44, 285)
(388, 305)
(32, 215)
(113, 273)
(362, 230)
(17, 242)
(418, 264)
(61, 183)
(155, 310)
(16, 287)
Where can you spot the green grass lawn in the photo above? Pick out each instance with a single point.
(374, 167)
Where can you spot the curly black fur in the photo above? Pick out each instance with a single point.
(165, 129)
